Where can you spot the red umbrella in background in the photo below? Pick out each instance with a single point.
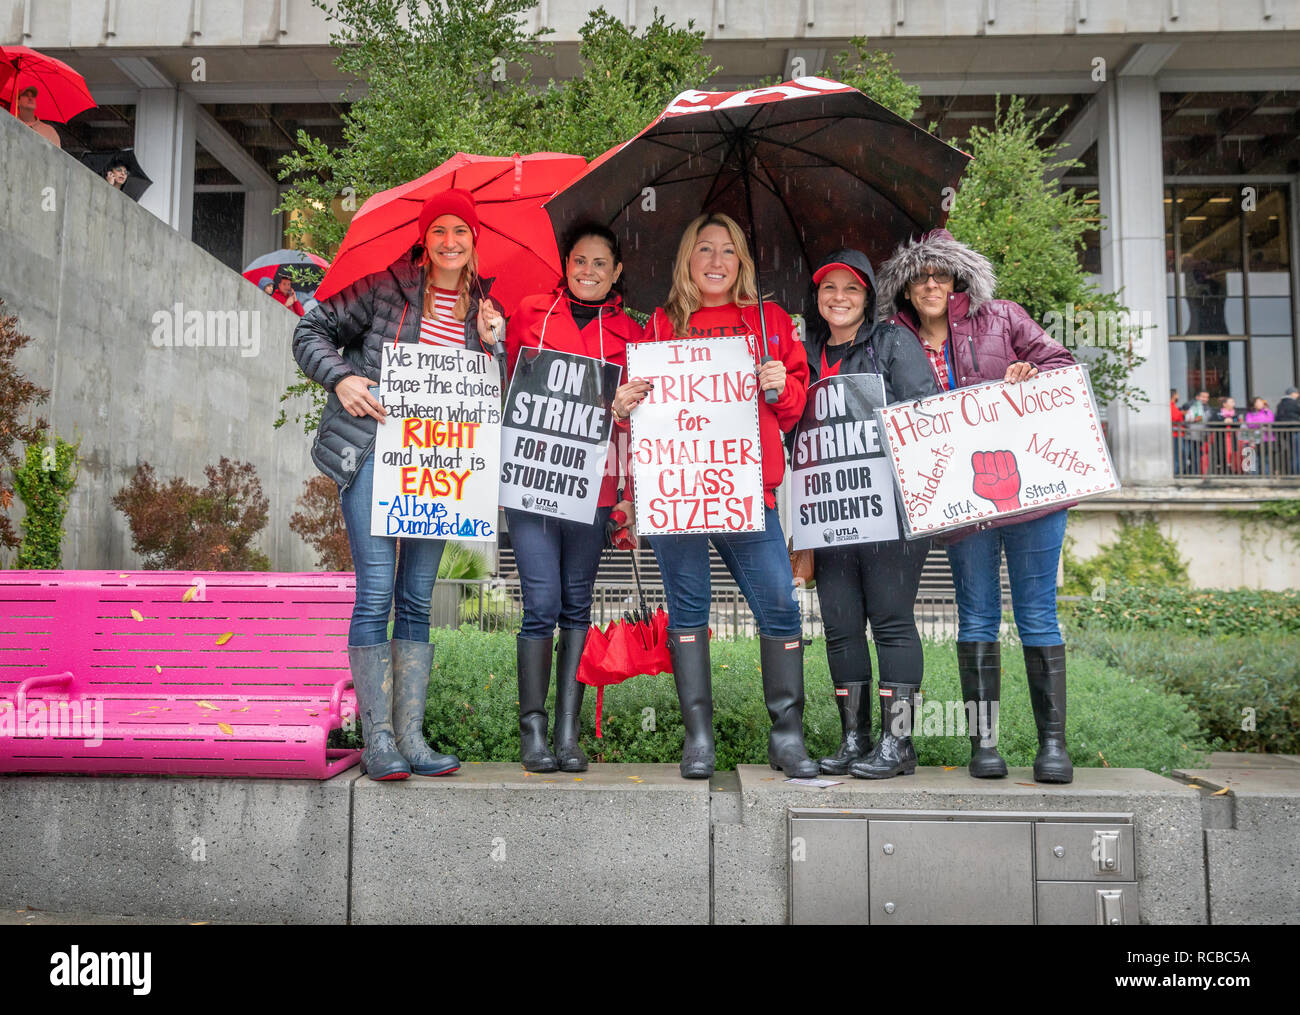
(61, 91)
(514, 231)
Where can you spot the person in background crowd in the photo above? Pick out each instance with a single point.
(117, 175)
(1196, 417)
(1176, 419)
(558, 559)
(267, 286)
(1287, 414)
(373, 312)
(27, 114)
(715, 293)
(1258, 433)
(284, 293)
(873, 582)
(1225, 439)
(942, 291)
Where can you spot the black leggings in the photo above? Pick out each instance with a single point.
(874, 582)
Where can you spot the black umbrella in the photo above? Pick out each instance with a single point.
(807, 167)
(136, 182)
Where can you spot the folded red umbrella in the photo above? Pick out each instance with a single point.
(61, 92)
(516, 242)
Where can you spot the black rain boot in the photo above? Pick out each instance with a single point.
(782, 663)
(412, 661)
(979, 664)
(854, 703)
(568, 700)
(689, 648)
(534, 681)
(372, 678)
(894, 755)
(1045, 668)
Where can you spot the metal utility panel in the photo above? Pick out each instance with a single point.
(1084, 851)
(1073, 902)
(930, 872)
(828, 871)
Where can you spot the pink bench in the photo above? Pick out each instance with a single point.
(174, 673)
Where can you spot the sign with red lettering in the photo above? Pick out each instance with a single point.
(997, 449)
(697, 462)
(437, 458)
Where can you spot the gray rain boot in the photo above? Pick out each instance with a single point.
(412, 661)
(534, 666)
(782, 664)
(568, 700)
(979, 665)
(372, 677)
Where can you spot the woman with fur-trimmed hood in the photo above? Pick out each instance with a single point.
(942, 292)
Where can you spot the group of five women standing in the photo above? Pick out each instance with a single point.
(928, 324)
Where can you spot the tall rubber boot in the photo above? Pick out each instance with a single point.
(412, 661)
(782, 662)
(372, 678)
(689, 648)
(894, 755)
(534, 682)
(1045, 668)
(979, 664)
(568, 700)
(854, 703)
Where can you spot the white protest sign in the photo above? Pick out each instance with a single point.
(997, 449)
(437, 458)
(697, 461)
(555, 437)
(841, 485)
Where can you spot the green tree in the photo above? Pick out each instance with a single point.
(45, 484)
(1032, 230)
(872, 72)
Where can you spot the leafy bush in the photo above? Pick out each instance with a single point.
(1112, 718)
(1140, 555)
(16, 427)
(319, 520)
(1245, 689)
(45, 483)
(177, 526)
(1209, 612)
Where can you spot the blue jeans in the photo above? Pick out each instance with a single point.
(758, 561)
(374, 558)
(557, 563)
(1033, 551)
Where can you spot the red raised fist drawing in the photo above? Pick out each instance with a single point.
(997, 478)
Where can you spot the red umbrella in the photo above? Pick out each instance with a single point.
(62, 92)
(516, 242)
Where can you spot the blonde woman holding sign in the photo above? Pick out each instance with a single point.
(714, 293)
(430, 295)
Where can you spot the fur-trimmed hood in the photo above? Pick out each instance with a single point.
(971, 271)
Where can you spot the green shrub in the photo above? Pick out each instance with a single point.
(1112, 718)
(45, 484)
(1209, 612)
(1246, 690)
(1140, 555)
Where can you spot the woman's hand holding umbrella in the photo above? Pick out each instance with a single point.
(771, 376)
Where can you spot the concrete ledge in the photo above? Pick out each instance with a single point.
(493, 844)
(255, 850)
(751, 862)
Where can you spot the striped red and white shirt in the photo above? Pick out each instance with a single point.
(446, 330)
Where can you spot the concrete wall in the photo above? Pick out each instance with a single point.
(86, 270)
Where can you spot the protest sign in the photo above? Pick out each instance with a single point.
(555, 436)
(437, 458)
(997, 449)
(696, 457)
(841, 484)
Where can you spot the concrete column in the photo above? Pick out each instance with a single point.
(261, 227)
(164, 144)
(1133, 259)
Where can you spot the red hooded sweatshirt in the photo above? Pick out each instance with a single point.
(775, 419)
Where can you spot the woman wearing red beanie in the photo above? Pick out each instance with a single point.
(431, 294)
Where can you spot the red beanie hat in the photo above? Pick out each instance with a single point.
(450, 202)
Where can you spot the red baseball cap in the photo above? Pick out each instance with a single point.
(826, 269)
(450, 202)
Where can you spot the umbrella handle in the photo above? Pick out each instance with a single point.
(600, 704)
(636, 574)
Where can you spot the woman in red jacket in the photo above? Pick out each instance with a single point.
(558, 559)
(714, 293)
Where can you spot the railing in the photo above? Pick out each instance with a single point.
(1232, 449)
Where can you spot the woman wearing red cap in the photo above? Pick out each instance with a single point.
(432, 294)
(715, 293)
(868, 582)
(557, 558)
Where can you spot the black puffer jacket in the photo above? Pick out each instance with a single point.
(344, 335)
(877, 348)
